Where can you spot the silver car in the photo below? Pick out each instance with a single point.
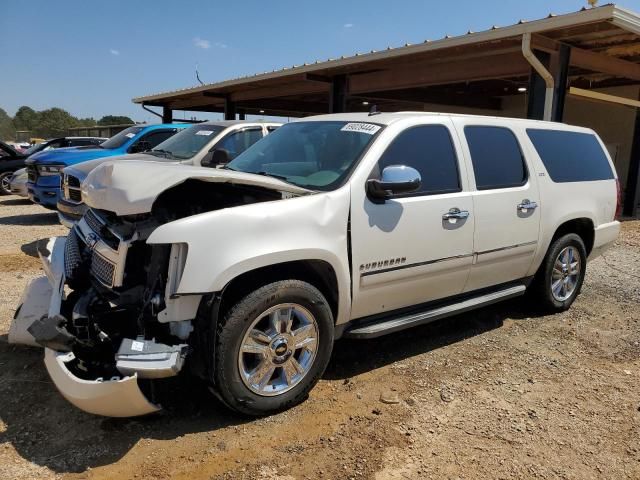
(18, 183)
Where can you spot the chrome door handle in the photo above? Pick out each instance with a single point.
(455, 214)
(527, 205)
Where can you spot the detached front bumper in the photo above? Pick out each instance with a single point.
(112, 397)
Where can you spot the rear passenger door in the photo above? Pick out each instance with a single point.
(506, 204)
(407, 250)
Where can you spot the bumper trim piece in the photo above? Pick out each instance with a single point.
(119, 397)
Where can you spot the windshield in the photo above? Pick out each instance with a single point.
(187, 143)
(121, 138)
(35, 148)
(314, 155)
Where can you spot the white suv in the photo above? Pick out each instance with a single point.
(349, 225)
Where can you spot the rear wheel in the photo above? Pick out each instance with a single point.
(559, 279)
(5, 183)
(273, 346)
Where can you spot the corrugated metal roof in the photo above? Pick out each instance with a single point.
(618, 16)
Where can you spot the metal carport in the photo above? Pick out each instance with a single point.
(572, 55)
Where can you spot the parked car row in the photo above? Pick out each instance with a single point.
(11, 160)
(345, 225)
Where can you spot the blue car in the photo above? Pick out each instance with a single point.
(43, 169)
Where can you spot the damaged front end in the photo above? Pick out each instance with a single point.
(97, 314)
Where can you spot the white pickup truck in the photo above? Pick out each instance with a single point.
(349, 225)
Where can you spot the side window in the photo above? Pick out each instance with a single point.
(80, 142)
(157, 137)
(571, 156)
(238, 142)
(496, 157)
(429, 149)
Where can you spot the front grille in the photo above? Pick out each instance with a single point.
(70, 188)
(32, 174)
(102, 269)
(103, 232)
(73, 181)
(75, 195)
(72, 255)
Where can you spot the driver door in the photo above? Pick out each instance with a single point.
(404, 252)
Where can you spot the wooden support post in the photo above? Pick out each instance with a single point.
(241, 114)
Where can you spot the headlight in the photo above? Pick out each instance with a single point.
(48, 170)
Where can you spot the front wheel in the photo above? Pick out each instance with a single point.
(272, 347)
(561, 274)
(5, 183)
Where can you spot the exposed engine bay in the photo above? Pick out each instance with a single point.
(117, 286)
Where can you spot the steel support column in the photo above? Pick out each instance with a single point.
(558, 65)
(167, 115)
(632, 195)
(241, 114)
(229, 109)
(560, 70)
(338, 94)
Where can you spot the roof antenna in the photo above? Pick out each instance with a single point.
(198, 75)
(374, 110)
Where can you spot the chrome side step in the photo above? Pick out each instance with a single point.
(389, 325)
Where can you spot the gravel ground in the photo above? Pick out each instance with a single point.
(497, 393)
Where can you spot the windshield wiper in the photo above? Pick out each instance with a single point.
(166, 153)
(267, 174)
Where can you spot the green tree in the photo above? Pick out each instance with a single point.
(54, 122)
(7, 130)
(115, 120)
(26, 118)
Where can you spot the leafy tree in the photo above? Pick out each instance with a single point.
(54, 122)
(26, 118)
(7, 130)
(115, 120)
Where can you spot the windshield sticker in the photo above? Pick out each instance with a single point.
(206, 133)
(130, 135)
(137, 346)
(361, 128)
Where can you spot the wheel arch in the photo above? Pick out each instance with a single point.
(582, 226)
(318, 273)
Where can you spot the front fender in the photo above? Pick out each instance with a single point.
(226, 243)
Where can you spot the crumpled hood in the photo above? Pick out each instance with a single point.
(81, 170)
(70, 156)
(131, 187)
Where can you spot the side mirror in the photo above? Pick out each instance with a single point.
(141, 146)
(396, 180)
(218, 156)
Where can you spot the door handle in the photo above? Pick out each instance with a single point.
(455, 214)
(527, 205)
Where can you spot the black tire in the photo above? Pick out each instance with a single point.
(541, 289)
(230, 387)
(4, 186)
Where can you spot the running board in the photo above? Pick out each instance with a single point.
(389, 325)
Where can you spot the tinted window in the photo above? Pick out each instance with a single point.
(430, 151)
(238, 142)
(157, 137)
(186, 143)
(121, 138)
(496, 157)
(571, 156)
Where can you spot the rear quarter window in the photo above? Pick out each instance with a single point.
(571, 156)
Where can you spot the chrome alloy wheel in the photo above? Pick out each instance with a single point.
(565, 275)
(278, 349)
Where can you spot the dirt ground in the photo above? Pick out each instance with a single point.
(496, 393)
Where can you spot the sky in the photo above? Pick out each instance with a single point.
(91, 58)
